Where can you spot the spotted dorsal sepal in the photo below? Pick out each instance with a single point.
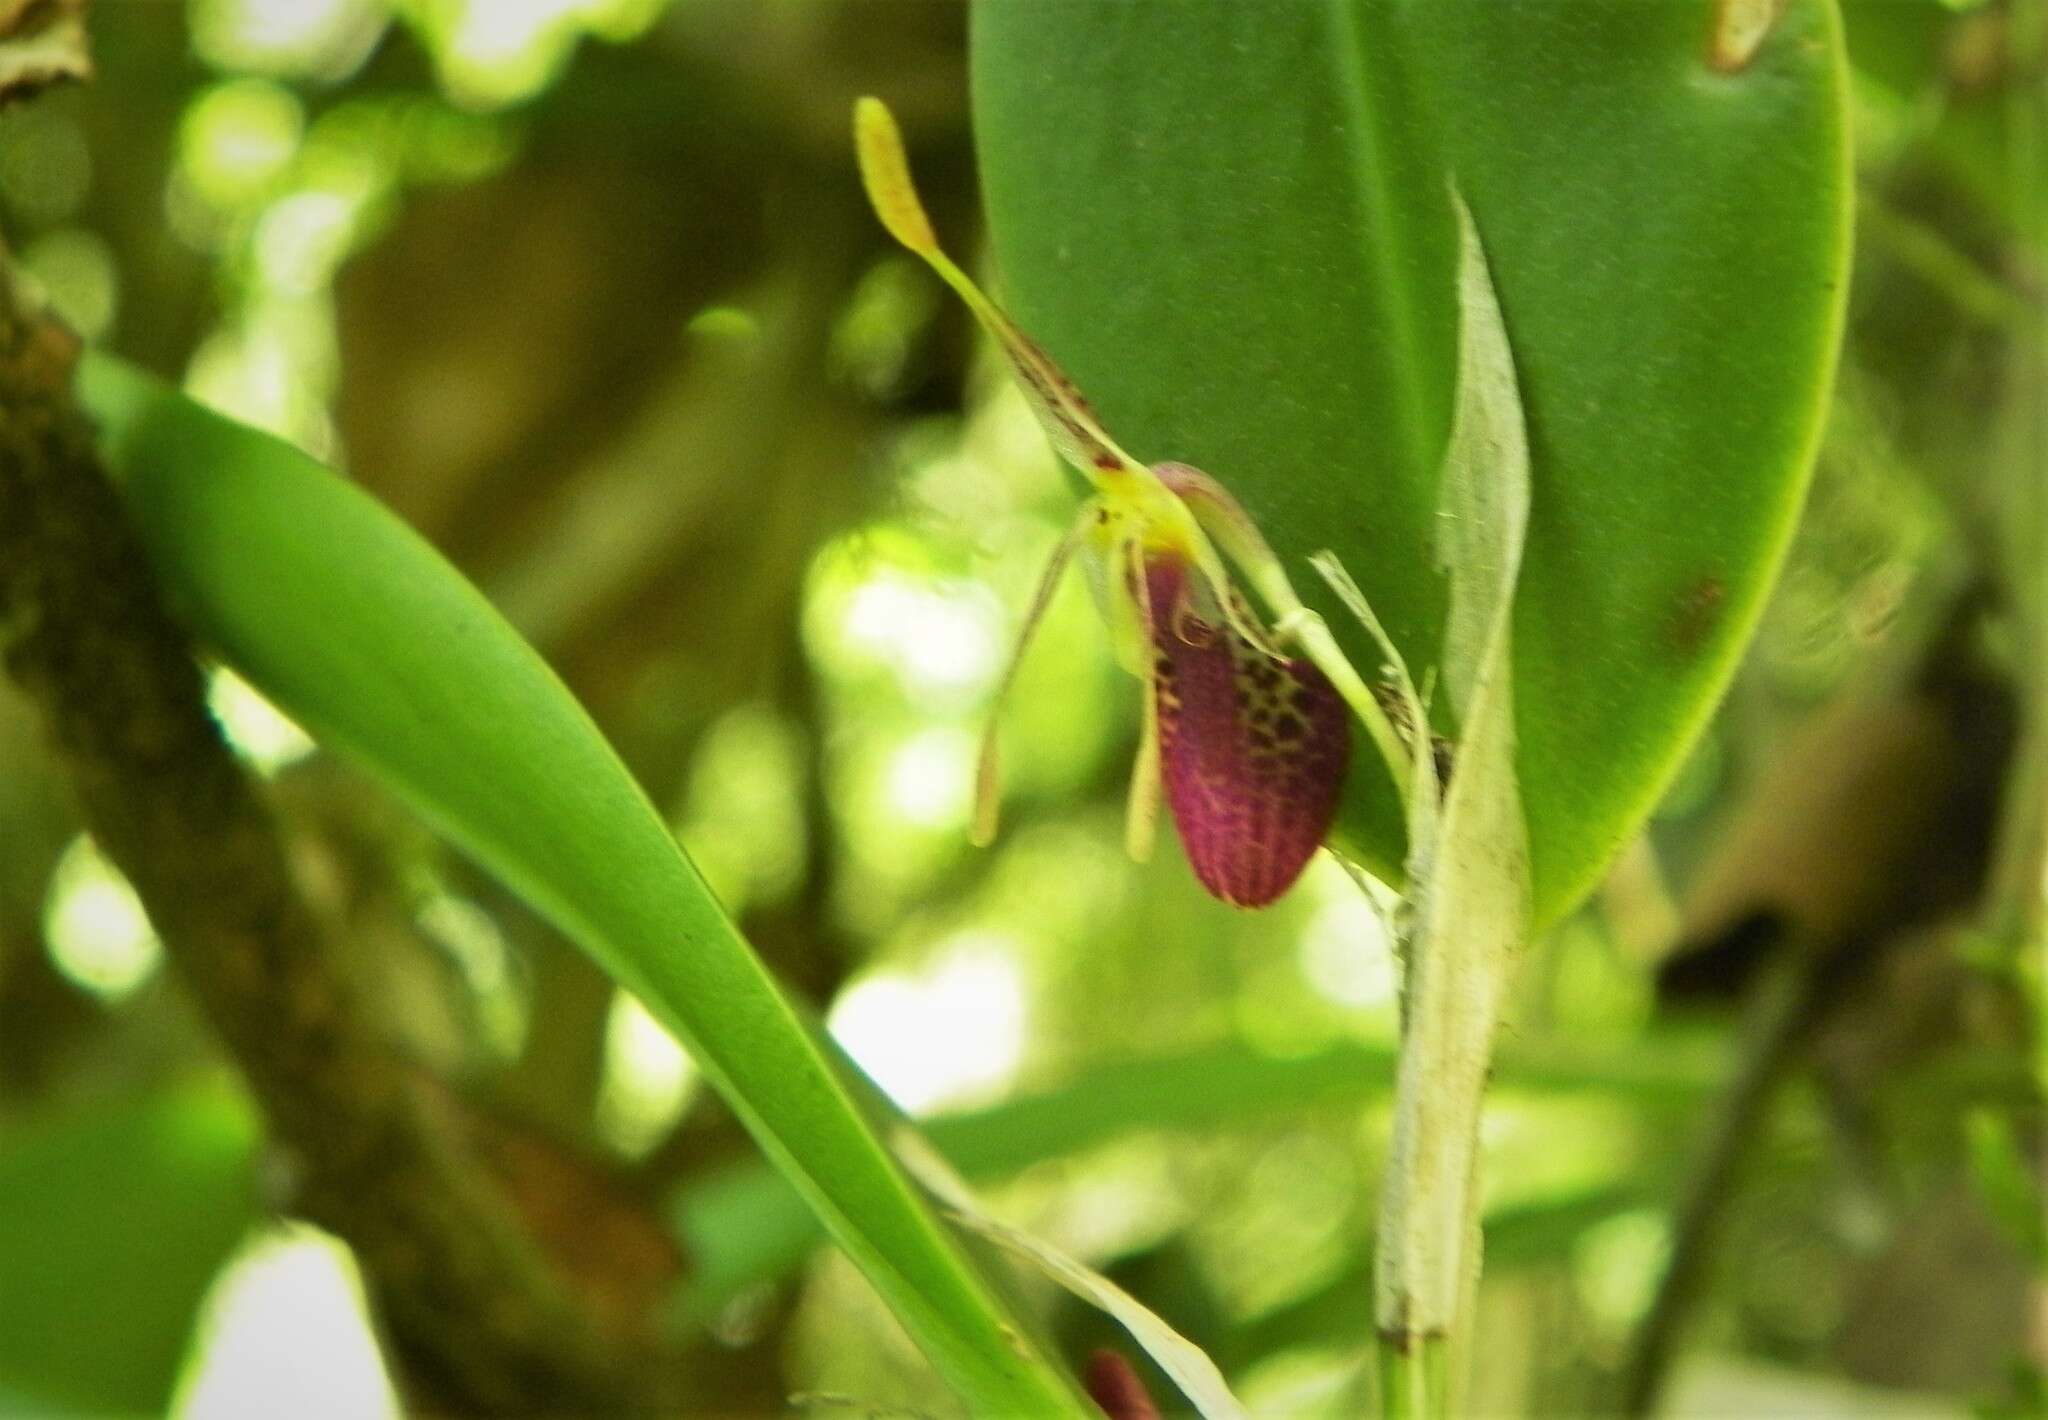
(1076, 434)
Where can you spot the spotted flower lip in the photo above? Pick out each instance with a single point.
(1250, 744)
(1253, 748)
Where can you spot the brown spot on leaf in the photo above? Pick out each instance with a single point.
(1695, 614)
(1740, 28)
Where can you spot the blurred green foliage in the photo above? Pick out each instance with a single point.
(117, 1219)
(587, 292)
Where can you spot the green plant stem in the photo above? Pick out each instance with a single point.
(1412, 1380)
(1428, 1239)
(1468, 871)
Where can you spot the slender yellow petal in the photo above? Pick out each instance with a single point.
(885, 172)
(988, 789)
(1141, 814)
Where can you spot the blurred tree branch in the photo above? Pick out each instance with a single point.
(1873, 829)
(479, 1319)
(641, 499)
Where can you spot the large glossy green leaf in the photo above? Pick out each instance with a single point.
(114, 1220)
(1230, 223)
(334, 608)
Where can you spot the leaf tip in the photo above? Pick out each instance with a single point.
(988, 791)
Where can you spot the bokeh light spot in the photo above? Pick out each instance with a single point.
(318, 39)
(238, 139)
(1346, 954)
(1616, 1264)
(939, 638)
(301, 239)
(649, 1079)
(950, 1034)
(94, 925)
(495, 52)
(285, 1332)
(263, 373)
(258, 731)
(743, 816)
(876, 334)
(930, 777)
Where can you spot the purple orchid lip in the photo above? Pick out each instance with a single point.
(1253, 750)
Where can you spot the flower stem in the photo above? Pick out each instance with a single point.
(1428, 1236)
(1412, 1380)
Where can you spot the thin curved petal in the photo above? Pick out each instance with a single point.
(1253, 749)
(1141, 814)
(988, 788)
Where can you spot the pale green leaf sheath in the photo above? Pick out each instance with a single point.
(1469, 883)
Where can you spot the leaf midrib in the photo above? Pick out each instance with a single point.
(1367, 142)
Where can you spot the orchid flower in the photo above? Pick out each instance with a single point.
(1252, 744)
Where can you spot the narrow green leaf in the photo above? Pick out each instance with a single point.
(349, 621)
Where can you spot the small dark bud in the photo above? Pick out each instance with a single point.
(1114, 1386)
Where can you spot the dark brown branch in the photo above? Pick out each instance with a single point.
(1876, 824)
(1781, 1021)
(479, 1322)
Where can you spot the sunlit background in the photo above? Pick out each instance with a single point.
(584, 290)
